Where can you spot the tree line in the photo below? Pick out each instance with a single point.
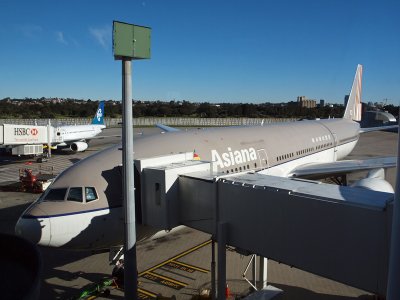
(71, 108)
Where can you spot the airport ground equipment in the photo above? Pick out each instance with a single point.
(27, 150)
(97, 289)
(35, 182)
(337, 232)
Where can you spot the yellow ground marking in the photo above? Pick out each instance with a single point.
(167, 278)
(150, 294)
(191, 266)
(176, 257)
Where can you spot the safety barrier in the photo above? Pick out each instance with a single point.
(151, 121)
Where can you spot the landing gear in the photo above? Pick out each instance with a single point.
(118, 273)
(43, 158)
(117, 259)
(338, 180)
(116, 253)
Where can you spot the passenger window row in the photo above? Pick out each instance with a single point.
(239, 169)
(298, 153)
(305, 151)
(285, 156)
(324, 146)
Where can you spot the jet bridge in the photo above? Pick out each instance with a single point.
(337, 232)
(23, 139)
(11, 134)
(28, 139)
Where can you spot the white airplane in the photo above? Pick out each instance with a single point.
(76, 137)
(82, 209)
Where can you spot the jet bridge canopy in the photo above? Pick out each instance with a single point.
(341, 233)
(11, 134)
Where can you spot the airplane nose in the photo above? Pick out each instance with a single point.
(36, 230)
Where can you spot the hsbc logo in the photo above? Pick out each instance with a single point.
(26, 131)
(34, 131)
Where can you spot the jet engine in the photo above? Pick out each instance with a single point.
(375, 184)
(79, 146)
(375, 181)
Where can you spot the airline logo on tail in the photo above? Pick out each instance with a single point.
(99, 116)
(353, 108)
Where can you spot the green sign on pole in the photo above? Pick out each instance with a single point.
(131, 41)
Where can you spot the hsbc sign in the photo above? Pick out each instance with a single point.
(23, 134)
(26, 131)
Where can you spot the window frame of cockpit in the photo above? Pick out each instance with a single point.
(95, 194)
(45, 194)
(84, 194)
(82, 201)
(84, 198)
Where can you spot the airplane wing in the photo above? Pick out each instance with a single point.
(167, 128)
(369, 129)
(323, 170)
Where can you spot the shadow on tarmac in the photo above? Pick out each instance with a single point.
(294, 292)
(9, 217)
(52, 262)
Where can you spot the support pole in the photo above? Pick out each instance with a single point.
(255, 271)
(221, 260)
(263, 273)
(130, 273)
(215, 236)
(253, 257)
(49, 138)
(393, 287)
(213, 290)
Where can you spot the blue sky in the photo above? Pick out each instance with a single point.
(217, 51)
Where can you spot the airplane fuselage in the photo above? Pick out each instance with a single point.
(94, 211)
(274, 149)
(77, 133)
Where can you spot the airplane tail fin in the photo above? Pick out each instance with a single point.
(99, 116)
(353, 107)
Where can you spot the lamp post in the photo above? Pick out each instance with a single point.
(130, 42)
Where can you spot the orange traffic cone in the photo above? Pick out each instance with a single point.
(227, 291)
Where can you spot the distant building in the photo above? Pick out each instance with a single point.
(321, 103)
(301, 98)
(346, 99)
(303, 102)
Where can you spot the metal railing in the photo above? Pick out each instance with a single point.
(151, 121)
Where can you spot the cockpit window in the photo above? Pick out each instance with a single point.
(75, 194)
(90, 193)
(55, 195)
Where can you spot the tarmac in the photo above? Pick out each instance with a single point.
(179, 264)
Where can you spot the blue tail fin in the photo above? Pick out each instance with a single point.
(99, 116)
